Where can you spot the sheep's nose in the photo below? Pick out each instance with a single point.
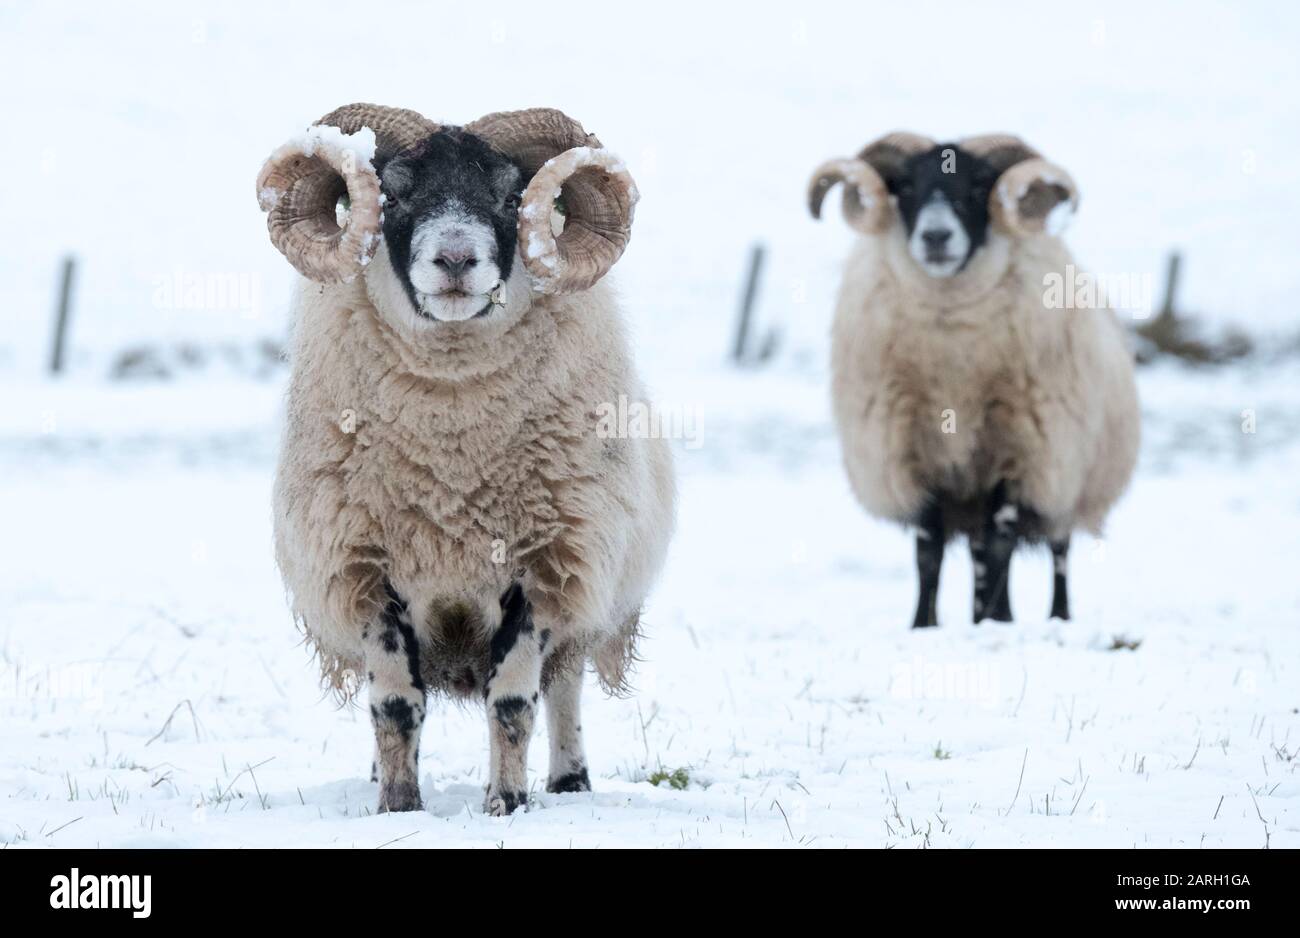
(455, 263)
(936, 239)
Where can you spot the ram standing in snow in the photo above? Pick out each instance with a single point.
(965, 404)
(447, 519)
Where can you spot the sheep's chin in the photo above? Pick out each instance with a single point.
(441, 307)
(941, 270)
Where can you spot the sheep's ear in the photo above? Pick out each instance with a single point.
(398, 179)
(506, 181)
(1034, 197)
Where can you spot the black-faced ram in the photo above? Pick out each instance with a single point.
(965, 403)
(447, 517)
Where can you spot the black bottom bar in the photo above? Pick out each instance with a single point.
(220, 888)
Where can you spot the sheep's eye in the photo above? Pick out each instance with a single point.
(904, 188)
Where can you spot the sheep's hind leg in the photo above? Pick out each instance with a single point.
(979, 561)
(991, 555)
(397, 703)
(568, 766)
(929, 560)
(513, 685)
(1060, 567)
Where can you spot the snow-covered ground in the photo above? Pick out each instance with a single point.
(152, 690)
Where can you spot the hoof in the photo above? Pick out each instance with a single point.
(573, 781)
(400, 796)
(504, 803)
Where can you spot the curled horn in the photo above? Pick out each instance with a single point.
(867, 179)
(866, 200)
(888, 154)
(1031, 195)
(300, 184)
(599, 196)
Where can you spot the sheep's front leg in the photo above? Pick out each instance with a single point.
(991, 556)
(929, 560)
(1060, 567)
(513, 683)
(568, 767)
(397, 703)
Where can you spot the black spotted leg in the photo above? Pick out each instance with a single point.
(929, 560)
(1060, 569)
(991, 557)
(397, 703)
(568, 766)
(513, 684)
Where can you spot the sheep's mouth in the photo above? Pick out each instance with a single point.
(454, 306)
(943, 267)
(941, 264)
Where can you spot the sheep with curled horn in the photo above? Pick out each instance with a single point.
(448, 516)
(968, 400)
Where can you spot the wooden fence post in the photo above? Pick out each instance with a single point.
(62, 314)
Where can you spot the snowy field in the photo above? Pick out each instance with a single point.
(153, 692)
(157, 696)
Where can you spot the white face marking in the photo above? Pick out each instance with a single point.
(393, 303)
(452, 266)
(939, 241)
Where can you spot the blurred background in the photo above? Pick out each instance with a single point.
(141, 618)
(136, 131)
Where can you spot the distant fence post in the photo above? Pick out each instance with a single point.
(62, 314)
(1172, 271)
(745, 350)
(747, 303)
(1168, 333)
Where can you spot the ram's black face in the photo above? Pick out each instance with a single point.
(943, 197)
(449, 223)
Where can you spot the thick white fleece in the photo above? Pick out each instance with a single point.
(954, 384)
(455, 459)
